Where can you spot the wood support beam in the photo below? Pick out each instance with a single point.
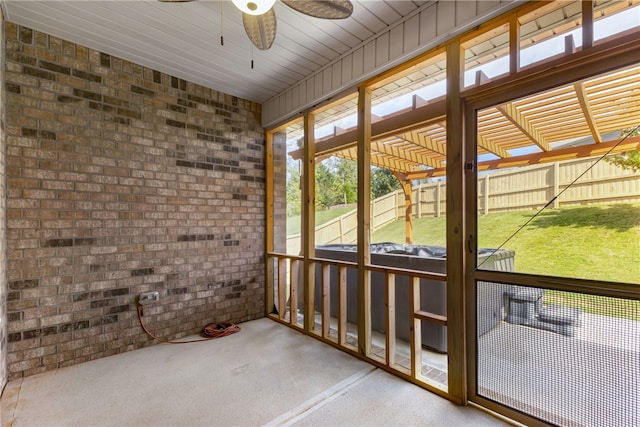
(456, 233)
(492, 147)
(294, 279)
(569, 45)
(342, 305)
(559, 70)
(586, 111)
(469, 249)
(269, 225)
(481, 78)
(417, 101)
(364, 219)
(408, 155)
(326, 300)
(390, 324)
(590, 150)
(562, 154)
(423, 141)
(436, 319)
(510, 112)
(587, 24)
(382, 161)
(398, 123)
(308, 222)
(415, 340)
(282, 287)
(408, 210)
(514, 44)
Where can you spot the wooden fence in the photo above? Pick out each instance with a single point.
(524, 188)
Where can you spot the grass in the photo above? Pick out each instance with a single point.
(596, 242)
(614, 307)
(293, 222)
(600, 242)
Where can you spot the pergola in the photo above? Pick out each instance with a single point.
(568, 122)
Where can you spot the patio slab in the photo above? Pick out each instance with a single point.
(587, 380)
(267, 374)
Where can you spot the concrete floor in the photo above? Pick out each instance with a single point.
(590, 379)
(267, 374)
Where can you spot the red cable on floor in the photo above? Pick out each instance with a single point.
(211, 331)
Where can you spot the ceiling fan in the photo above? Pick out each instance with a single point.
(259, 18)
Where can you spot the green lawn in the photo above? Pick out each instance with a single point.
(293, 222)
(596, 242)
(599, 242)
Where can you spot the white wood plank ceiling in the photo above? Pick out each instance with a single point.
(183, 39)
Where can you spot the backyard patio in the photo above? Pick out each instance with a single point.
(590, 379)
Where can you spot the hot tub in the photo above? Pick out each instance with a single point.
(432, 293)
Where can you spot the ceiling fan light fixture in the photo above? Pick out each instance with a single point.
(254, 7)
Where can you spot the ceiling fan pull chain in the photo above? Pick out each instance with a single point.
(252, 56)
(259, 17)
(221, 23)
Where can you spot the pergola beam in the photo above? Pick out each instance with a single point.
(544, 157)
(407, 155)
(408, 210)
(423, 141)
(510, 112)
(586, 111)
(391, 125)
(383, 161)
(492, 147)
(488, 145)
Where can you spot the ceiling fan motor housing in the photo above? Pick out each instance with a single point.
(254, 7)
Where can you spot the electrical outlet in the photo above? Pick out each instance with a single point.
(148, 297)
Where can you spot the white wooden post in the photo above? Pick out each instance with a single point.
(438, 201)
(486, 194)
(556, 184)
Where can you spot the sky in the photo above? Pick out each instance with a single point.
(604, 27)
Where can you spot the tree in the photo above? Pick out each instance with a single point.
(346, 182)
(382, 182)
(294, 195)
(631, 159)
(325, 186)
(336, 183)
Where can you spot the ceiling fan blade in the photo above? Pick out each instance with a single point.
(174, 1)
(326, 9)
(261, 29)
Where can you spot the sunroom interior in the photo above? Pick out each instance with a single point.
(491, 132)
(517, 94)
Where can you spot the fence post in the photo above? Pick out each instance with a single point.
(371, 218)
(438, 201)
(486, 194)
(556, 184)
(341, 227)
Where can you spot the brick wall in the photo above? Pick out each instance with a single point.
(122, 180)
(3, 218)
